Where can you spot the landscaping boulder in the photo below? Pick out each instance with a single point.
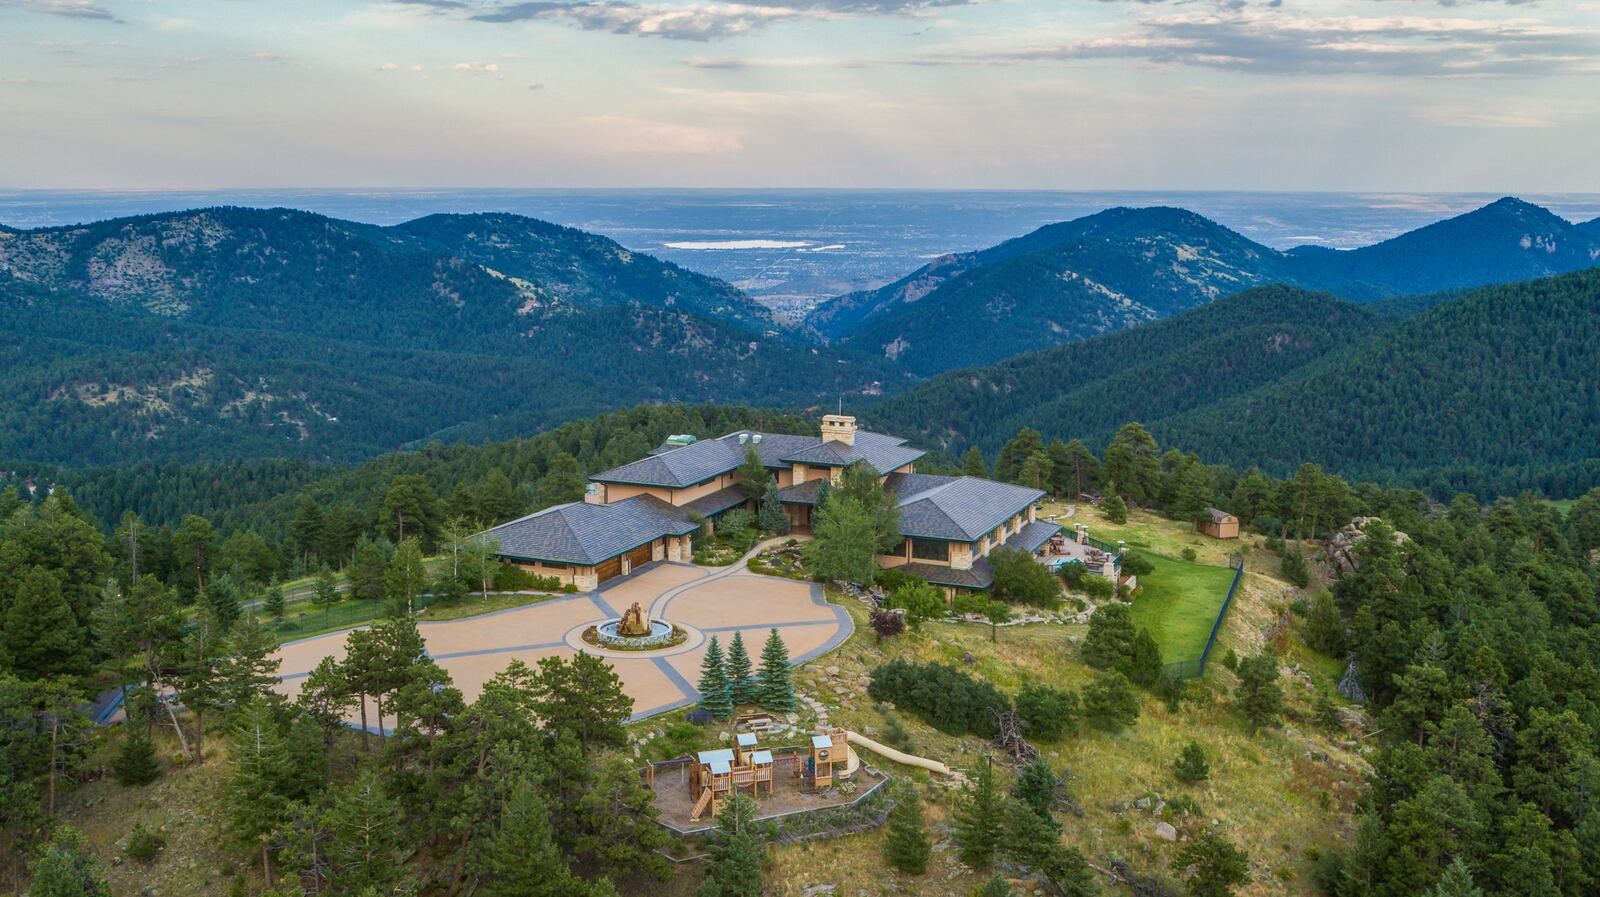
(1166, 832)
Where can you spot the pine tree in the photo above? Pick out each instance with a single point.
(1258, 695)
(1327, 713)
(1035, 786)
(1110, 703)
(973, 465)
(737, 852)
(497, 498)
(325, 591)
(771, 516)
(906, 846)
(254, 802)
(65, 868)
(1109, 642)
(563, 481)
(775, 680)
(248, 669)
(716, 693)
(1456, 882)
(979, 818)
(1212, 866)
(1115, 509)
(740, 681)
(1143, 666)
(1191, 765)
(1293, 566)
(364, 848)
(136, 763)
(272, 601)
(1324, 627)
(522, 859)
(39, 631)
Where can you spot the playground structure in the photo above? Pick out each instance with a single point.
(716, 774)
(710, 776)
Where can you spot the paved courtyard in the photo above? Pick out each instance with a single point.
(704, 600)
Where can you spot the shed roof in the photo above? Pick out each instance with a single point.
(1220, 516)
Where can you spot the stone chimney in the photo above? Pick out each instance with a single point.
(839, 428)
(593, 494)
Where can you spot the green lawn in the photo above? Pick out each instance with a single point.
(349, 614)
(1564, 505)
(1179, 604)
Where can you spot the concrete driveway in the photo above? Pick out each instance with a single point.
(706, 601)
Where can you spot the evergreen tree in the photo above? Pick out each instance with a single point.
(497, 499)
(522, 859)
(740, 681)
(326, 696)
(272, 601)
(254, 801)
(738, 851)
(1293, 566)
(1191, 765)
(1035, 472)
(1110, 703)
(979, 818)
(973, 464)
(1076, 468)
(65, 868)
(617, 821)
(364, 846)
(583, 696)
(41, 634)
(1191, 493)
(1258, 696)
(1324, 628)
(247, 669)
(1115, 509)
(716, 693)
(906, 846)
(1143, 667)
(367, 572)
(1132, 462)
(1035, 786)
(306, 530)
(136, 763)
(1047, 712)
(1456, 882)
(1212, 866)
(1327, 713)
(1109, 642)
(563, 481)
(325, 590)
(1008, 465)
(410, 509)
(771, 516)
(775, 680)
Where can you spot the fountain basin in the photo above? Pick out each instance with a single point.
(609, 635)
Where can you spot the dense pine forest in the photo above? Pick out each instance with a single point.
(1491, 392)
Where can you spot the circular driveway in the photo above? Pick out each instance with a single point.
(706, 601)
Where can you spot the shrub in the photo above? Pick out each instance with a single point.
(1143, 664)
(1188, 554)
(1231, 660)
(1109, 642)
(892, 579)
(887, 623)
(143, 843)
(1098, 587)
(1073, 573)
(920, 601)
(1110, 702)
(1048, 712)
(950, 700)
(1115, 509)
(971, 603)
(1191, 765)
(1136, 564)
(1293, 566)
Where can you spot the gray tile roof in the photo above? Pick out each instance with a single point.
(676, 467)
(800, 493)
(580, 533)
(957, 509)
(981, 576)
(1033, 535)
(718, 501)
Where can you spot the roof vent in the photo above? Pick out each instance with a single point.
(744, 438)
(681, 439)
(755, 438)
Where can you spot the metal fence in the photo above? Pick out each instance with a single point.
(1194, 669)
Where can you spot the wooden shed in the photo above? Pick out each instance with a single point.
(1219, 524)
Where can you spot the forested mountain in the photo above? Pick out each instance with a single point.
(1493, 392)
(254, 333)
(1088, 389)
(1124, 267)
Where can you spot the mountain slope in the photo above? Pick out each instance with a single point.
(1123, 267)
(1500, 387)
(279, 332)
(1087, 389)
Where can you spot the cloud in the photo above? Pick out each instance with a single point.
(268, 56)
(694, 21)
(75, 9)
(622, 135)
(1277, 43)
(477, 68)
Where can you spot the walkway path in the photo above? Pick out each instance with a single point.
(705, 601)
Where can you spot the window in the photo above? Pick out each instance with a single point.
(930, 550)
(553, 565)
(899, 550)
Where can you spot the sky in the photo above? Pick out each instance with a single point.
(1423, 95)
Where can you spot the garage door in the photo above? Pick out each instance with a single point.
(639, 557)
(608, 569)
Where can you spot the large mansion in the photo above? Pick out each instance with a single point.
(649, 510)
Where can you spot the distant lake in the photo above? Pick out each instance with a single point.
(793, 248)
